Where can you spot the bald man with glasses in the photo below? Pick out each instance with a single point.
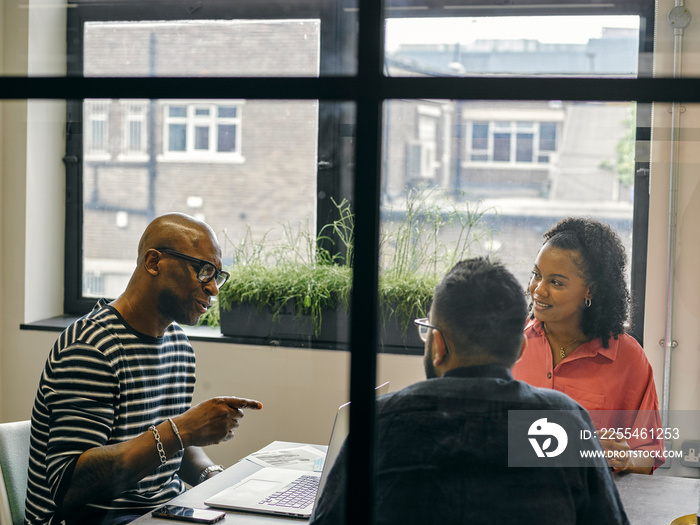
(114, 434)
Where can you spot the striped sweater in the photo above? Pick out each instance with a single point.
(105, 383)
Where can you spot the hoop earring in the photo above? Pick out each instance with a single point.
(587, 302)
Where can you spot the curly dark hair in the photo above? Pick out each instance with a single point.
(602, 262)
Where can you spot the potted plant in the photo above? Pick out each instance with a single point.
(297, 291)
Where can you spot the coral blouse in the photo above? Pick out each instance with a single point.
(615, 384)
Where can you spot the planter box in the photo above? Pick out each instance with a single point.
(247, 322)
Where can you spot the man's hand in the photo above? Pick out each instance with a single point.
(104, 472)
(213, 421)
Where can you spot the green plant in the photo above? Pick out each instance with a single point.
(310, 287)
(419, 242)
(431, 234)
(296, 270)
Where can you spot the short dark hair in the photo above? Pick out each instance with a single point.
(602, 263)
(482, 309)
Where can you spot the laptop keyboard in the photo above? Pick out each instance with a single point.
(299, 494)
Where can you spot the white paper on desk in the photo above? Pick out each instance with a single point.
(296, 458)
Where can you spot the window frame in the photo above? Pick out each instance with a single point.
(369, 89)
(337, 58)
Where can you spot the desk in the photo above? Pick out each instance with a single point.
(648, 500)
(657, 500)
(195, 496)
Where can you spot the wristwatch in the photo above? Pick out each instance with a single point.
(209, 470)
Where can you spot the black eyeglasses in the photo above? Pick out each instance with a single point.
(207, 270)
(424, 328)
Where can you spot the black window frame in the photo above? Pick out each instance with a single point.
(368, 88)
(337, 57)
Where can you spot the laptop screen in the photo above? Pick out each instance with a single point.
(341, 429)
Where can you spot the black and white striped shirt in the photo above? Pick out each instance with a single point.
(105, 383)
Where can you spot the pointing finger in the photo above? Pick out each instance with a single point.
(239, 402)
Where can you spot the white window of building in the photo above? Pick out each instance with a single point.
(97, 129)
(511, 142)
(134, 130)
(202, 131)
(421, 153)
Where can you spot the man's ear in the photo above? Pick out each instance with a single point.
(150, 262)
(440, 353)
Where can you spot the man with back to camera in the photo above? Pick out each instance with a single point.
(442, 444)
(113, 431)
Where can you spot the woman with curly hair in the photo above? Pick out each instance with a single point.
(577, 343)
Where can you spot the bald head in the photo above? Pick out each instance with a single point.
(176, 231)
(165, 287)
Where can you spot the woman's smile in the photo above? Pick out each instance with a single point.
(556, 288)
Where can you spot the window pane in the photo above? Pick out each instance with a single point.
(548, 136)
(201, 138)
(228, 112)
(99, 135)
(515, 193)
(226, 138)
(525, 164)
(134, 136)
(480, 135)
(203, 48)
(197, 144)
(177, 137)
(515, 45)
(501, 147)
(243, 209)
(97, 138)
(523, 147)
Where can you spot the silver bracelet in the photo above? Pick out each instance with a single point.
(159, 445)
(208, 470)
(176, 431)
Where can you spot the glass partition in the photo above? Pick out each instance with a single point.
(207, 48)
(248, 168)
(590, 46)
(472, 176)
(490, 177)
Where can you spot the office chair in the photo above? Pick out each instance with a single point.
(14, 462)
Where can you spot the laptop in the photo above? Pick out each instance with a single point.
(284, 491)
